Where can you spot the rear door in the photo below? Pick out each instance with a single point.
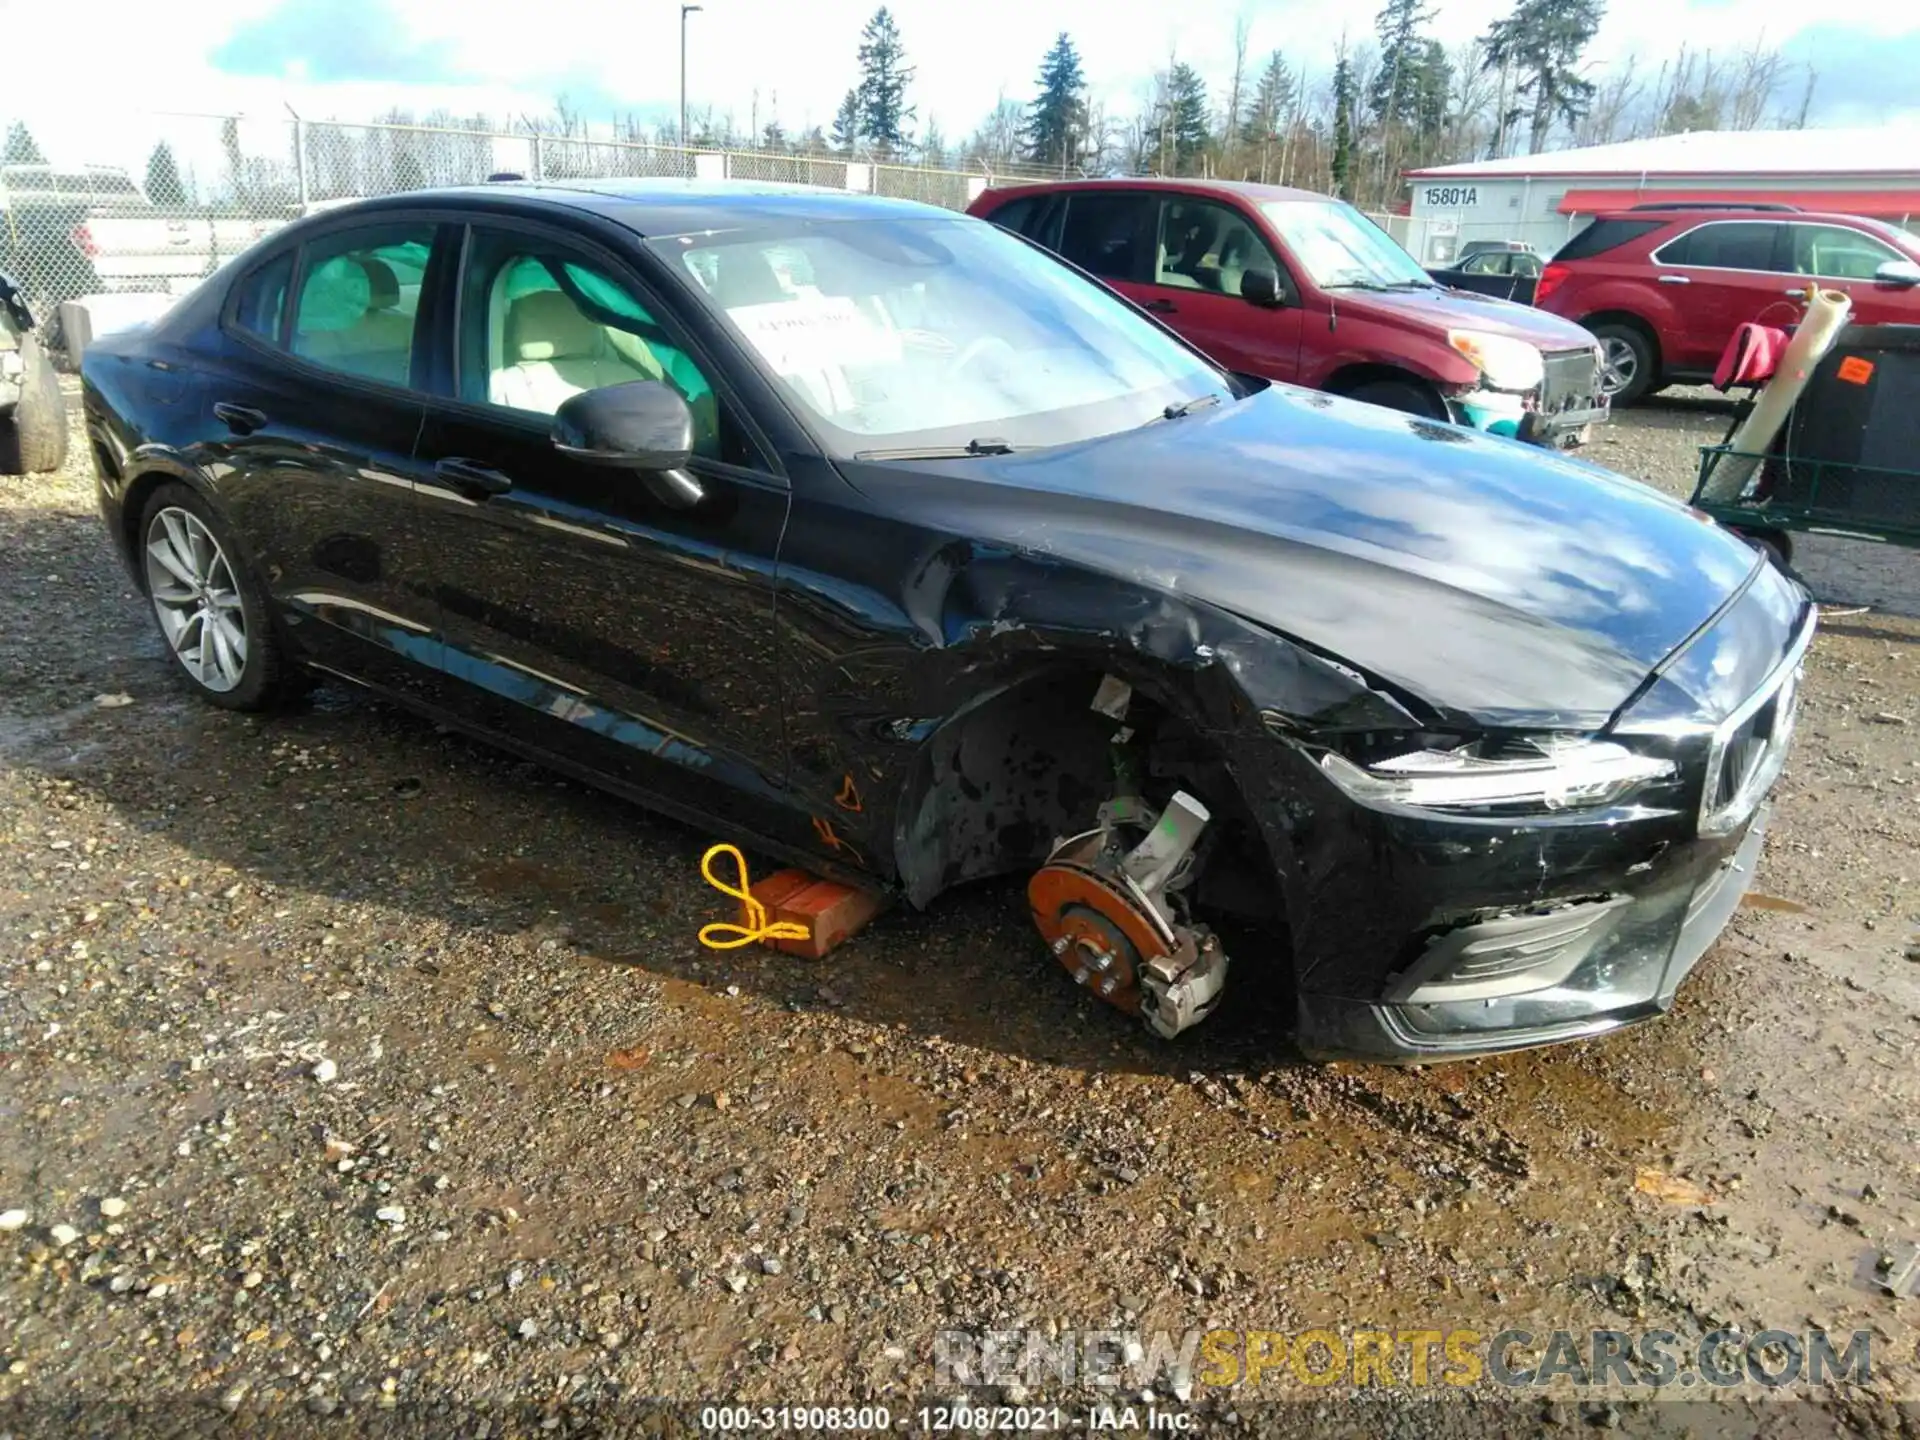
(1724, 273)
(319, 407)
(1203, 250)
(1110, 233)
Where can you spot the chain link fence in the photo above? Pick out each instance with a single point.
(177, 196)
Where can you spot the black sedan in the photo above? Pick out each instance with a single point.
(879, 539)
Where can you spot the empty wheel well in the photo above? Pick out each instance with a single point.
(1000, 782)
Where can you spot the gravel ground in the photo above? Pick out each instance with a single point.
(349, 1070)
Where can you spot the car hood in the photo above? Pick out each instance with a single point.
(1442, 310)
(1491, 579)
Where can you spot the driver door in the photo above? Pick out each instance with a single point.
(579, 613)
(1203, 250)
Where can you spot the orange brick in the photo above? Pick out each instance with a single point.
(832, 912)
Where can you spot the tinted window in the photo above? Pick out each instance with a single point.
(1734, 245)
(1836, 251)
(1487, 262)
(539, 326)
(1016, 215)
(1105, 233)
(261, 298)
(1205, 245)
(1604, 235)
(359, 294)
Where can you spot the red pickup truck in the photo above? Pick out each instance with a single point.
(1303, 288)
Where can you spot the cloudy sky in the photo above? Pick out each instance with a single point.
(350, 59)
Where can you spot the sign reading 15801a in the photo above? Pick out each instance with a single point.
(1453, 195)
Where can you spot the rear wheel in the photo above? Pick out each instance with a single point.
(211, 612)
(1627, 366)
(34, 440)
(1407, 395)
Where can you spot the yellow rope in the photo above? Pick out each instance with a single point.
(756, 927)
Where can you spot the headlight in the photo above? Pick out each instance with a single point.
(1507, 363)
(1534, 775)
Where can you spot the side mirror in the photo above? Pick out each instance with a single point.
(1904, 273)
(644, 426)
(1261, 287)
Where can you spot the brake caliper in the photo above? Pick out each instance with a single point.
(1109, 905)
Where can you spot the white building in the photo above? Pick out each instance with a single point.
(1543, 199)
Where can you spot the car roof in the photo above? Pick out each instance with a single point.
(656, 207)
(1723, 211)
(1248, 189)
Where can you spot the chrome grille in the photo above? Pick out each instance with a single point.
(1750, 747)
(1572, 380)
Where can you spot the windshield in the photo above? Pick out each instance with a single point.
(907, 335)
(1336, 245)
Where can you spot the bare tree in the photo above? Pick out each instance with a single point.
(1230, 121)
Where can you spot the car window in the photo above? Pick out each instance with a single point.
(260, 298)
(1522, 263)
(1837, 252)
(1732, 245)
(1105, 232)
(1205, 245)
(905, 334)
(1016, 214)
(359, 296)
(1487, 262)
(1339, 248)
(539, 325)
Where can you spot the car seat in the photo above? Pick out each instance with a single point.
(556, 353)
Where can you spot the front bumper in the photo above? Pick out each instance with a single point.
(1650, 941)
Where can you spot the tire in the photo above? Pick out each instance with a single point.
(1629, 370)
(1776, 544)
(1406, 395)
(201, 581)
(34, 440)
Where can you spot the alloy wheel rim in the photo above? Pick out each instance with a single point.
(1618, 365)
(196, 599)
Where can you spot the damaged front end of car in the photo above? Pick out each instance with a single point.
(1547, 886)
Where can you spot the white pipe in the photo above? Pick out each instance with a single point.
(1827, 312)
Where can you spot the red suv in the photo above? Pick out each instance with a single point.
(1303, 288)
(1663, 287)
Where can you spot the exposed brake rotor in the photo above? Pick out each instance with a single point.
(1105, 913)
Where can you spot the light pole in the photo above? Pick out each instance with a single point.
(685, 10)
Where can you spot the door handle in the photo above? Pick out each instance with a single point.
(1676, 280)
(1795, 294)
(472, 479)
(1161, 307)
(240, 419)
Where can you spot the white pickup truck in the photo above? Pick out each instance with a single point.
(65, 233)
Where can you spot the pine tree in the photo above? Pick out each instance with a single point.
(1185, 120)
(163, 177)
(846, 123)
(1543, 40)
(1271, 103)
(1056, 126)
(1269, 110)
(1394, 96)
(773, 137)
(884, 74)
(1343, 97)
(21, 148)
(1432, 91)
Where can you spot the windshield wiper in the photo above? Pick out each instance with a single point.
(1187, 407)
(939, 452)
(1354, 285)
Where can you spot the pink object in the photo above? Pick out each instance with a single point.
(1751, 356)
